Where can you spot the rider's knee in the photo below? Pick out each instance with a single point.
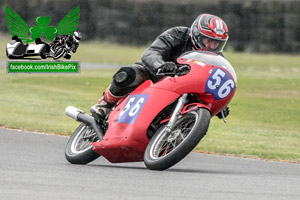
(130, 76)
(124, 77)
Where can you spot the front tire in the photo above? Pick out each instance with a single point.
(79, 149)
(58, 53)
(165, 149)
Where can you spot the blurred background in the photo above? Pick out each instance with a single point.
(254, 25)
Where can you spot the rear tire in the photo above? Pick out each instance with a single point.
(79, 149)
(165, 149)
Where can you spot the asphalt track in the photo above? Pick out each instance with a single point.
(33, 166)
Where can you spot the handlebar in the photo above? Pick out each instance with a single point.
(179, 71)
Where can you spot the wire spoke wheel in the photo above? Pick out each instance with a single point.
(168, 147)
(83, 140)
(170, 141)
(79, 149)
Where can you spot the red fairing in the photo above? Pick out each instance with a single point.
(126, 137)
(126, 142)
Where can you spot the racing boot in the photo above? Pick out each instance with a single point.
(104, 105)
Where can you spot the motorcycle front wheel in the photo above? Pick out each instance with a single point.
(59, 52)
(79, 147)
(166, 148)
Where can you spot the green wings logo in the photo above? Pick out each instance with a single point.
(18, 27)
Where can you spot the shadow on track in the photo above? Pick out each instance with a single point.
(176, 170)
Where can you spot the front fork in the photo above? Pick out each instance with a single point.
(176, 113)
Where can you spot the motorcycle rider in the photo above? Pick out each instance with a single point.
(207, 33)
(65, 41)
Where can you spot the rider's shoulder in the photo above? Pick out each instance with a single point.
(178, 29)
(176, 32)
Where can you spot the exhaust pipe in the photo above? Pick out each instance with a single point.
(81, 116)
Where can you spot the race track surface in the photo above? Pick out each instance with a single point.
(33, 166)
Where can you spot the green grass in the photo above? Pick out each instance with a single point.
(264, 119)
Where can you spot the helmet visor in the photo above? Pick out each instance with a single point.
(210, 44)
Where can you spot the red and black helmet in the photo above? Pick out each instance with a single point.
(212, 27)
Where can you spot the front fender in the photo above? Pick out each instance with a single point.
(193, 106)
(188, 108)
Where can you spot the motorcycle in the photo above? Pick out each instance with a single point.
(62, 46)
(158, 123)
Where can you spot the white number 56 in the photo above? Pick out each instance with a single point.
(225, 88)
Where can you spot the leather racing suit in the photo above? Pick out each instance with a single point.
(167, 47)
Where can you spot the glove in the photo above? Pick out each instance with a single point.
(168, 67)
(225, 112)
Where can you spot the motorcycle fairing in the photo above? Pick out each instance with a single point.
(126, 142)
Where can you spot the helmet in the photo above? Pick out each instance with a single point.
(77, 36)
(209, 27)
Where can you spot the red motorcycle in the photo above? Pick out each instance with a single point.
(158, 123)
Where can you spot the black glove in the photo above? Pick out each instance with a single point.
(225, 112)
(168, 67)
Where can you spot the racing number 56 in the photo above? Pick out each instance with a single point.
(220, 82)
(134, 110)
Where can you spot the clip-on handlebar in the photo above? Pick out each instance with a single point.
(180, 71)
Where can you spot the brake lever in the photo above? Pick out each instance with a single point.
(184, 69)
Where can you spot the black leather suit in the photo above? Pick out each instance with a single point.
(167, 47)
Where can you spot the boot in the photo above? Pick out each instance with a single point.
(104, 105)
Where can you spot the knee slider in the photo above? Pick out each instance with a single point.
(124, 77)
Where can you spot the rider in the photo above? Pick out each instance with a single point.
(71, 41)
(207, 33)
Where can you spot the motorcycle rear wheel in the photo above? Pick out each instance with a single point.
(79, 147)
(165, 149)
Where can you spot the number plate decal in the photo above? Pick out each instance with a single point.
(132, 108)
(219, 83)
